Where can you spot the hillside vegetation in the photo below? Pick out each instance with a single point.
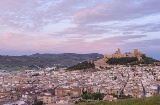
(81, 66)
(131, 61)
(149, 60)
(122, 61)
(145, 101)
(36, 61)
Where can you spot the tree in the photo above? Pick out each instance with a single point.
(115, 77)
(37, 102)
(87, 96)
(97, 96)
(81, 66)
(122, 61)
(94, 96)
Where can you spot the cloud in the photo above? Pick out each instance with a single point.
(92, 13)
(105, 45)
(83, 30)
(22, 42)
(28, 15)
(143, 28)
(13, 41)
(117, 11)
(34, 15)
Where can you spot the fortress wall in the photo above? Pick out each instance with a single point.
(119, 55)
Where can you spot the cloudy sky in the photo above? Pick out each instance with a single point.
(79, 26)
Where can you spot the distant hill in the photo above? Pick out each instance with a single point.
(45, 60)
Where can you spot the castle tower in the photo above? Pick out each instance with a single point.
(136, 51)
(119, 51)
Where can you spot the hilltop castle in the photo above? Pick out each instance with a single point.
(118, 54)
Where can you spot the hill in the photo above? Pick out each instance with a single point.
(114, 61)
(45, 60)
(129, 58)
(145, 101)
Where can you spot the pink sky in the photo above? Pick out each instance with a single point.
(79, 26)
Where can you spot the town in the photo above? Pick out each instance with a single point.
(53, 86)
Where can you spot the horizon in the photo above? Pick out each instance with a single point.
(79, 26)
(148, 55)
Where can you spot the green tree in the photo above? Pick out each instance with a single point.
(87, 96)
(81, 66)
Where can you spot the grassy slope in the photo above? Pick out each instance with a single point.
(146, 101)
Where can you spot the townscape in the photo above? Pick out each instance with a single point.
(60, 86)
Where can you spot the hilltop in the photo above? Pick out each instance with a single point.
(118, 58)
